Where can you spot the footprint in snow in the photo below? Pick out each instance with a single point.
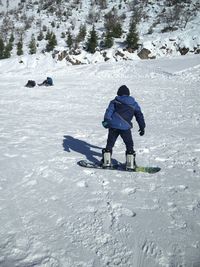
(30, 183)
(82, 184)
(10, 155)
(127, 212)
(89, 209)
(150, 249)
(88, 172)
(118, 210)
(129, 191)
(176, 189)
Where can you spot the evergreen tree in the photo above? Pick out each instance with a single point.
(69, 40)
(40, 36)
(108, 41)
(102, 4)
(81, 34)
(1, 48)
(9, 47)
(11, 40)
(20, 47)
(32, 45)
(112, 23)
(7, 50)
(48, 35)
(117, 30)
(132, 37)
(92, 41)
(63, 35)
(53, 24)
(52, 42)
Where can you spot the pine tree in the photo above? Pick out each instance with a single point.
(53, 25)
(108, 41)
(32, 45)
(12, 38)
(92, 41)
(132, 37)
(112, 23)
(48, 35)
(63, 35)
(81, 34)
(117, 30)
(8, 48)
(1, 48)
(7, 51)
(52, 42)
(69, 40)
(40, 36)
(20, 47)
(102, 4)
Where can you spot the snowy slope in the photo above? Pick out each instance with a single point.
(57, 214)
(26, 18)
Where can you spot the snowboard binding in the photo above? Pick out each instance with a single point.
(106, 158)
(130, 160)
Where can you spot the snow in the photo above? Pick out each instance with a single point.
(160, 44)
(57, 214)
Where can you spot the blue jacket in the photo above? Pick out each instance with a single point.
(120, 112)
(49, 81)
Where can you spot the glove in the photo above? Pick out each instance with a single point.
(105, 124)
(141, 132)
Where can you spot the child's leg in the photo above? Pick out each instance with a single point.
(128, 140)
(112, 137)
(107, 152)
(130, 153)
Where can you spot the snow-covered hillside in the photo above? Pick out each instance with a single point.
(26, 18)
(54, 213)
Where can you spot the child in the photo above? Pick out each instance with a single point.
(117, 119)
(47, 82)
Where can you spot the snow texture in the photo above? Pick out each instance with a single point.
(54, 213)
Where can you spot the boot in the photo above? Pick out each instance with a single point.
(130, 160)
(106, 158)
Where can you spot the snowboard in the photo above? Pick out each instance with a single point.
(117, 166)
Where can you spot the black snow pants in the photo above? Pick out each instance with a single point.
(125, 135)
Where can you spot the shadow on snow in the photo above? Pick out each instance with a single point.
(73, 144)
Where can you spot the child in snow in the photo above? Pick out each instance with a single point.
(117, 119)
(47, 82)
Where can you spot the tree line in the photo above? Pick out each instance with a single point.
(90, 44)
(173, 14)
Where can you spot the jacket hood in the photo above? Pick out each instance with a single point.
(125, 99)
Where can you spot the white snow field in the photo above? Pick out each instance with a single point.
(54, 213)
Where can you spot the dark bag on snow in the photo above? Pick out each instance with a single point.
(30, 83)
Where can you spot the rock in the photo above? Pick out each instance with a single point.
(62, 55)
(197, 51)
(104, 54)
(145, 54)
(73, 61)
(183, 50)
(118, 53)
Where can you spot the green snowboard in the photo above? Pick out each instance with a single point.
(117, 166)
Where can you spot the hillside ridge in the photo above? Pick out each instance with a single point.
(64, 28)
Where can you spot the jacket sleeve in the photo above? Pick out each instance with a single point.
(109, 112)
(139, 117)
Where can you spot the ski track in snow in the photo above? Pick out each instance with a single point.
(56, 214)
